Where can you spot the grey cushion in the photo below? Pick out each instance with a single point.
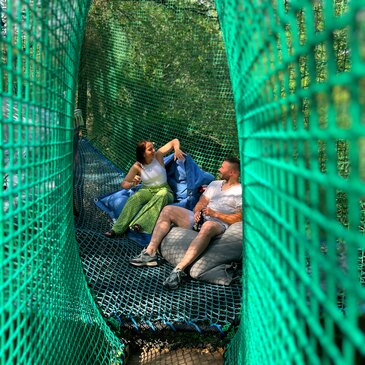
(217, 263)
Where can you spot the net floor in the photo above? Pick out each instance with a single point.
(135, 296)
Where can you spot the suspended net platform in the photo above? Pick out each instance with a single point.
(135, 296)
(281, 84)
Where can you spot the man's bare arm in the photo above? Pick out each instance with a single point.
(201, 204)
(226, 218)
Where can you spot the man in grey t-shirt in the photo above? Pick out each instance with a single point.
(221, 205)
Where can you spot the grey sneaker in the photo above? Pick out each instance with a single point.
(174, 279)
(144, 259)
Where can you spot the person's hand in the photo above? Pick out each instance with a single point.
(178, 154)
(136, 180)
(208, 212)
(197, 216)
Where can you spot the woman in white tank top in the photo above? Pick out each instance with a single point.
(142, 209)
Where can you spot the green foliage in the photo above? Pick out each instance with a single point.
(164, 74)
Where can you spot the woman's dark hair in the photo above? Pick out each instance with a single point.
(140, 150)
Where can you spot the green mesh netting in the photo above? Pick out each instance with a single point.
(158, 69)
(297, 70)
(157, 79)
(47, 315)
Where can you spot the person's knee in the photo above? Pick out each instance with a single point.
(167, 211)
(164, 195)
(210, 229)
(162, 192)
(164, 198)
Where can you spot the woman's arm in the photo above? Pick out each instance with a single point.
(173, 144)
(133, 177)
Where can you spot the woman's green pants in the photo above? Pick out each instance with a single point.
(143, 208)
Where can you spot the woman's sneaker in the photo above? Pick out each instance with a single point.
(175, 279)
(144, 259)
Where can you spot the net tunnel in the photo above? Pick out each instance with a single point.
(280, 84)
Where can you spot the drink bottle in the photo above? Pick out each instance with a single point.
(198, 225)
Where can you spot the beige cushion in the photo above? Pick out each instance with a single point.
(217, 263)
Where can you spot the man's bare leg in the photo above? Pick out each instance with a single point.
(197, 246)
(169, 214)
(209, 230)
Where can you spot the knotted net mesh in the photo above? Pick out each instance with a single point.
(280, 83)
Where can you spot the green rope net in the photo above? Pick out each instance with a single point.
(297, 69)
(279, 83)
(47, 315)
(157, 70)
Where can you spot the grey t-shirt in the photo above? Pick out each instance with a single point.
(227, 202)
